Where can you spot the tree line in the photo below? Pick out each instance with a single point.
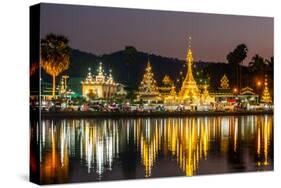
(55, 58)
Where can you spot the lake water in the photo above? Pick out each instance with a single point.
(75, 150)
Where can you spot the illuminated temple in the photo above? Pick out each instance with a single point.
(190, 93)
(99, 86)
(148, 89)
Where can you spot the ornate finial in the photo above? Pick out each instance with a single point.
(89, 71)
(189, 41)
(100, 70)
(189, 52)
(148, 61)
(110, 78)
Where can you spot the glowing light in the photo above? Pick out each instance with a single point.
(266, 98)
(189, 91)
(148, 89)
(96, 86)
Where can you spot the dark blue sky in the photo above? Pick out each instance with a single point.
(103, 30)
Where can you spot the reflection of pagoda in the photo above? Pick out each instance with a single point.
(189, 91)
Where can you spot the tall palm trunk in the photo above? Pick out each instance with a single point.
(54, 86)
(238, 77)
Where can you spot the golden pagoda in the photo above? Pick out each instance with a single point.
(224, 82)
(224, 91)
(205, 97)
(166, 86)
(266, 98)
(148, 89)
(172, 97)
(189, 92)
(63, 84)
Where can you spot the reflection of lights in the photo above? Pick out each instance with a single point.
(259, 142)
(187, 140)
(99, 156)
(43, 133)
(265, 142)
(235, 134)
(264, 135)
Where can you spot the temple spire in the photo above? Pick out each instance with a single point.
(189, 89)
(100, 69)
(189, 42)
(189, 60)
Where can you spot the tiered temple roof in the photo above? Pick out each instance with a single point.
(148, 89)
(100, 78)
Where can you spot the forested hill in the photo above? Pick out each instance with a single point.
(128, 66)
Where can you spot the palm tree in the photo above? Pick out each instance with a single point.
(236, 58)
(270, 63)
(54, 56)
(257, 65)
(130, 53)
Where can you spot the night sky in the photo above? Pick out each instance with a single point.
(104, 30)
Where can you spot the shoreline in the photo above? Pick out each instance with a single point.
(79, 114)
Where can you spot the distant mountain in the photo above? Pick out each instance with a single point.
(128, 66)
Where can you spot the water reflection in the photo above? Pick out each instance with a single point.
(100, 149)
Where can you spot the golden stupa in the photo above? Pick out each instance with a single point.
(189, 92)
(205, 97)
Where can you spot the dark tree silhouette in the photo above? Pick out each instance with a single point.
(130, 58)
(270, 63)
(235, 58)
(258, 66)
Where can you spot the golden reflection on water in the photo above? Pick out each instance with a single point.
(98, 143)
(264, 137)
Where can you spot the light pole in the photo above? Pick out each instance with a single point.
(258, 85)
